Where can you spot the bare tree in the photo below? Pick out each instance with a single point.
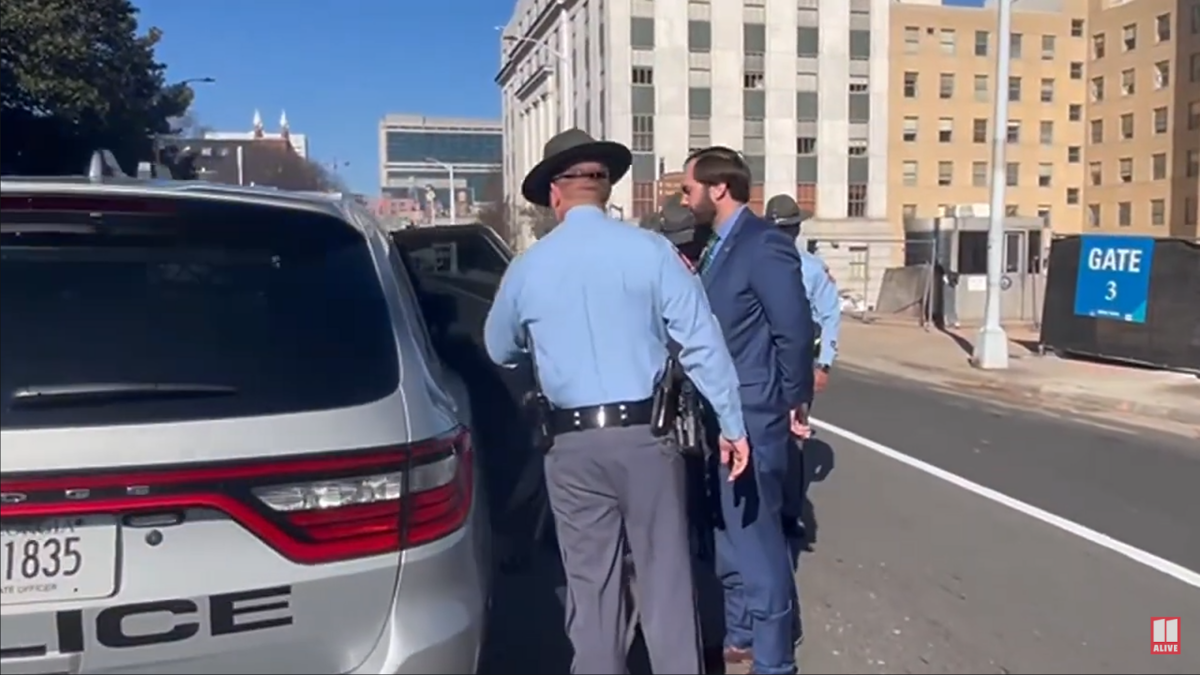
(275, 163)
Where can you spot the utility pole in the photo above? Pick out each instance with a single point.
(991, 344)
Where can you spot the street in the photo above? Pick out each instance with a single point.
(913, 570)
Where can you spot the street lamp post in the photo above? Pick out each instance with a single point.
(453, 196)
(991, 344)
(565, 67)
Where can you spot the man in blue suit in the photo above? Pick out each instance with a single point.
(752, 272)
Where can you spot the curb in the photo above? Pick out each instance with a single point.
(1044, 396)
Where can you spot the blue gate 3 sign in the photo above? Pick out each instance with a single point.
(1114, 277)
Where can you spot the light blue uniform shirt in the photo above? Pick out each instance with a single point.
(826, 303)
(600, 299)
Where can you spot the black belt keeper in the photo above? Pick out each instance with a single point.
(607, 416)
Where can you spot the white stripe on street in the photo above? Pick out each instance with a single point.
(1187, 576)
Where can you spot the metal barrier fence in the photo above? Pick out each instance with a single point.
(879, 277)
(1166, 334)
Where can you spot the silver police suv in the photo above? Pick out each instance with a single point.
(230, 440)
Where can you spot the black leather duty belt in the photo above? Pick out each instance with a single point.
(607, 416)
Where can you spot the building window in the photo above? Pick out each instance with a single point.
(643, 199)
(856, 200)
(979, 174)
(1074, 154)
(1046, 132)
(945, 173)
(948, 40)
(1194, 66)
(806, 145)
(643, 133)
(806, 197)
(1076, 69)
(1097, 89)
(1072, 196)
(912, 39)
(981, 43)
(643, 75)
(1074, 112)
(1076, 27)
(1014, 89)
(1124, 214)
(1128, 82)
(979, 130)
(1012, 211)
(641, 32)
(1097, 131)
(808, 41)
(1125, 169)
(1158, 166)
(910, 85)
(1013, 134)
(1129, 37)
(1095, 173)
(946, 85)
(909, 172)
(1048, 47)
(1093, 215)
(1162, 27)
(908, 211)
(1047, 90)
(1015, 46)
(1158, 212)
(699, 37)
(982, 93)
(945, 130)
(1160, 117)
(1193, 120)
(859, 256)
(1192, 164)
(1098, 46)
(1012, 174)
(910, 130)
(1162, 74)
(1126, 121)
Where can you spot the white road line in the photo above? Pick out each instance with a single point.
(1187, 576)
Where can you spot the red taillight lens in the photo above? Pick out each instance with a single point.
(312, 511)
(365, 514)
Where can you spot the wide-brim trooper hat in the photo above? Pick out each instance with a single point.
(783, 210)
(568, 148)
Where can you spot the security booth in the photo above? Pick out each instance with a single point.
(957, 249)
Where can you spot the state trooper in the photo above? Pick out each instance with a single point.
(594, 304)
(826, 305)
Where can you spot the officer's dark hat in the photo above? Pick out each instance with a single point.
(783, 210)
(568, 148)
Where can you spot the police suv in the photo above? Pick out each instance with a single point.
(229, 443)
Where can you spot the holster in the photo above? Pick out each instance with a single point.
(536, 407)
(664, 406)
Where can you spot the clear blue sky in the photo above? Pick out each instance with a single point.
(335, 67)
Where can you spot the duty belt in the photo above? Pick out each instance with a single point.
(607, 416)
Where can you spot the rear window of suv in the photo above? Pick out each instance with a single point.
(185, 309)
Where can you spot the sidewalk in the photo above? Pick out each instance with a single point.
(1165, 401)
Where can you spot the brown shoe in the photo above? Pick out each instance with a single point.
(738, 655)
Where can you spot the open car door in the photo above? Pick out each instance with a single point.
(457, 270)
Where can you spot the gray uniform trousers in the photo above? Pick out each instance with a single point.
(608, 488)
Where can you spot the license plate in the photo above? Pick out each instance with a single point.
(53, 559)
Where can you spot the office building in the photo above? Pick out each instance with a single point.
(942, 105)
(418, 155)
(1143, 117)
(799, 86)
(1092, 142)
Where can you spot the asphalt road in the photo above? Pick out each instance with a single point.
(913, 572)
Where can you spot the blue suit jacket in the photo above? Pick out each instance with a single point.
(755, 288)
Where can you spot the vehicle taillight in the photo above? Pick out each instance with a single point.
(366, 514)
(85, 204)
(311, 510)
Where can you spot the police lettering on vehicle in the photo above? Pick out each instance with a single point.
(178, 620)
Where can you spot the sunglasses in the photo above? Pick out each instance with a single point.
(591, 175)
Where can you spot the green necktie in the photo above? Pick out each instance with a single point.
(710, 249)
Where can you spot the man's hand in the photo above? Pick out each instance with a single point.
(799, 420)
(735, 455)
(820, 379)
